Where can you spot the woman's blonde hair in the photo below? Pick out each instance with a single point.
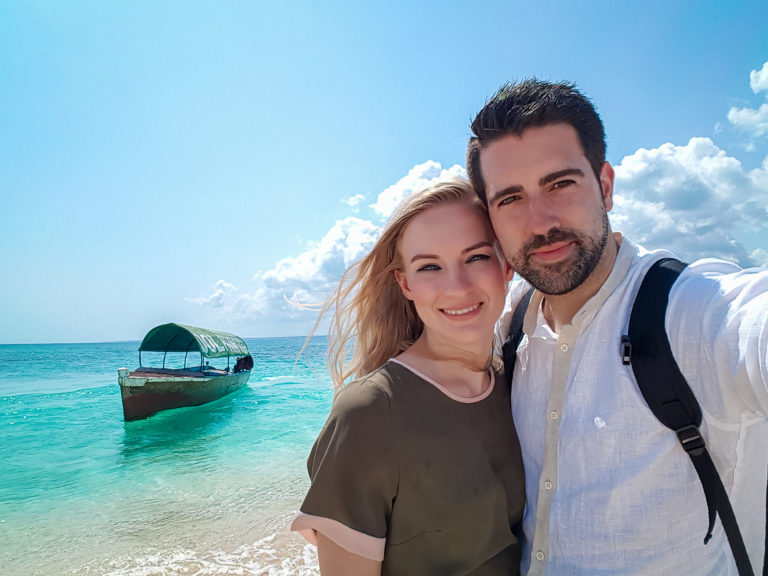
(369, 309)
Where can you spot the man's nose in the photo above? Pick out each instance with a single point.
(542, 215)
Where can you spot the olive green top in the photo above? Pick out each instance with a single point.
(440, 479)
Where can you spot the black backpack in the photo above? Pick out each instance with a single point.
(646, 348)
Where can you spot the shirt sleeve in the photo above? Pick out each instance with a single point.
(718, 327)
(354, 469)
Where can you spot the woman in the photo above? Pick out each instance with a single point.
(418, 469)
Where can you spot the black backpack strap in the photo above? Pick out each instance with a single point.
(515, 334)
(670, 398)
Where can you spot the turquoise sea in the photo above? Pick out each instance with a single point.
(204, 490)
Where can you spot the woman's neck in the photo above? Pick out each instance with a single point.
(463, 371)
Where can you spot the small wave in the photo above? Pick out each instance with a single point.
(273, 379)
(275, 555)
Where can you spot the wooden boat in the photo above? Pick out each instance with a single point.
(148, 390)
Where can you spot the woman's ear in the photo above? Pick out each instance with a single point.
(402, 280)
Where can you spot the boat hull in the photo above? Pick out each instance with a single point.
(144, 395)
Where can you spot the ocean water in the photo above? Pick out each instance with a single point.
(204, 490)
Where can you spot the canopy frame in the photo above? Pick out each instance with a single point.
(173, 337)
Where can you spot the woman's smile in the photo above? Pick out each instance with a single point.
(457, 312)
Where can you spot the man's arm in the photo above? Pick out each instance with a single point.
(718, 327)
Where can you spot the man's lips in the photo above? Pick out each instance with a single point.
(551, 252)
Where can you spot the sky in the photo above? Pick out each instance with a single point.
(211, 163)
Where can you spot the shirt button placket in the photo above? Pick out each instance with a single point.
(549, 472)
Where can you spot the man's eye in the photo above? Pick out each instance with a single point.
(428, 267)
(562, 183)
(508, 200)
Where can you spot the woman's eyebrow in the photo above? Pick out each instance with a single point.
(423, 257)
(481, 244)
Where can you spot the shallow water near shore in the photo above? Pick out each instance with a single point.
(204, 490)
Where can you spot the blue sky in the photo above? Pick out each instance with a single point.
(201, 162)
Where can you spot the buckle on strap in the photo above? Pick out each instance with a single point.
(691, 439)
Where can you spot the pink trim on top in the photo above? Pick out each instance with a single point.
(351, 540)
(444, 390)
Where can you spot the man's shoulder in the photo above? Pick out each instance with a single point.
(707, 290)
(644, 258)
(711, 285)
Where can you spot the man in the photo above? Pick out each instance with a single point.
(609, 488)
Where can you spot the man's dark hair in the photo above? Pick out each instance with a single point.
(534, 103)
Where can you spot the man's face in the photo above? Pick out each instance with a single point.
(547, 208)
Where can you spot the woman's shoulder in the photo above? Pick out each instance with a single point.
(367, 392)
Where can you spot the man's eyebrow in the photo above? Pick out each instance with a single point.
(515, 188)
(543, 181)
(481, 244)
(559, 174)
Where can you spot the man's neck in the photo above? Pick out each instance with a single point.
(559, 310)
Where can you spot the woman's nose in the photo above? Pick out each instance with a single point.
(458, 280)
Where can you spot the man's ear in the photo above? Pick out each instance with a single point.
(402, 280)
(509, 272)
(606, 184)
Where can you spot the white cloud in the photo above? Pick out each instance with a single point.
(750, 120)
(418, 178)
(753, 121)
(758, 79)
(690, 199)
(221, 294)
(326, 260)
(759, 257)
(353, 201)
(288, 291)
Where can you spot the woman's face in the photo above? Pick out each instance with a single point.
(452, 273)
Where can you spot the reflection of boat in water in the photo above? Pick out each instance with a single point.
(148, 390)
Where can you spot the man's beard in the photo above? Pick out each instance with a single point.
(562, 277)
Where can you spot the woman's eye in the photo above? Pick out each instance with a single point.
(428, 267)
(476, 257)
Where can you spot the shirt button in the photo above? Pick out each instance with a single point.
(553, 414)
(563, 347)
(540, 556)
(548, 485)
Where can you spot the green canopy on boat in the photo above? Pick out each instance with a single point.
(179, 338)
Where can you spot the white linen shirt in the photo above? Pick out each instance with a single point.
(609, 488)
